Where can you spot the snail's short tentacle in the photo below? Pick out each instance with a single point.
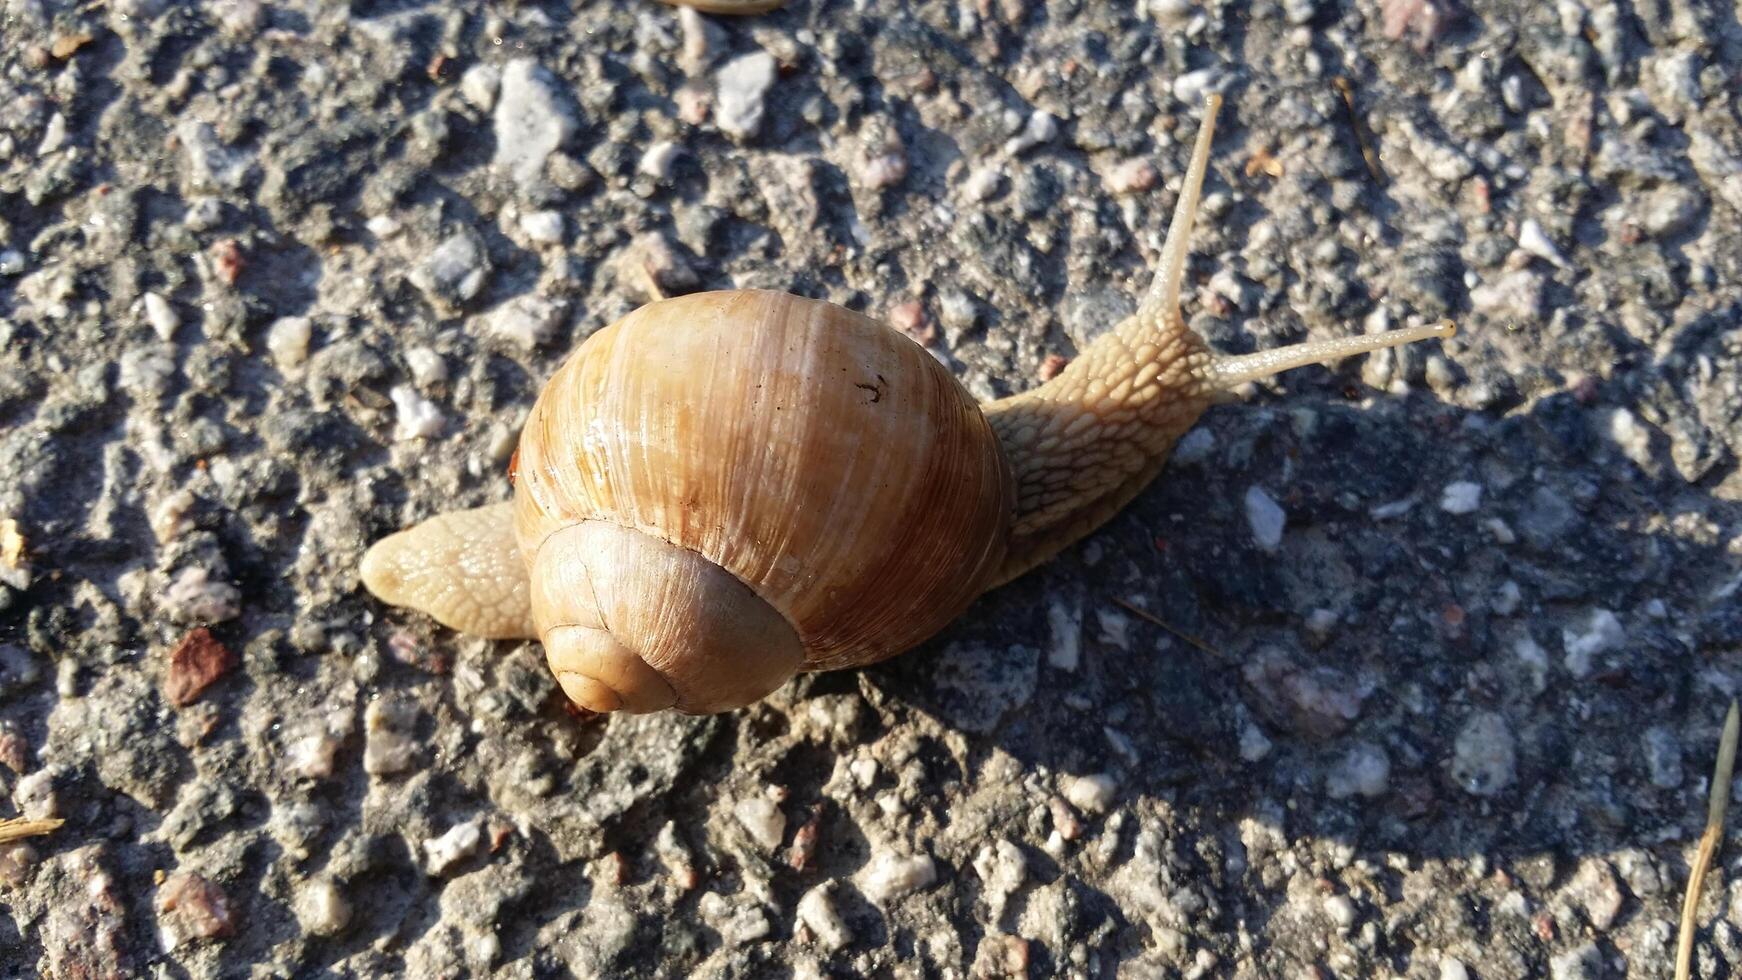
(463, 568)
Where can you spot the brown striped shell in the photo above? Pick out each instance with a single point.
(820, 458)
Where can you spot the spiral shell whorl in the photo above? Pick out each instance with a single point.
(632, 622)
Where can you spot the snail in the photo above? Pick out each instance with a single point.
(724, 489)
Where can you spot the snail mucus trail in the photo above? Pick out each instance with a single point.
(708, 502)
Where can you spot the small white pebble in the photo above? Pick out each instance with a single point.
(543, 227)
(66, 684)
(386, 753)
(1172, 13)
(700, 36)
(1601, 634)
(34, 795)
(1500, 530)
(1341, 911)
(1507, 598)
(658, 160)
(387, 748)
(196, 597)
(817, 911)
(1091, 794)
(1191, 87)
(1364, 771)
(1194, 448)
(203, 214)
(427, 367)
(1320, 622)
(1253, 743)
(418, 416)
(54, 135)
(982, 183)
(287, 341)
(11, 262)
(479, 85)
(1115, 628)
(1484, 755)
(321, 908)
(1043, 126)
(1132, 177)
(383, 226)
(502, 441)
(889, 876)
(763, 819)
(882, 170)
(1002, 869)
(311, 757)
(1266, 518)
(1462, 497)
(864, 772)
(1396, 508)
(526, 321)
(484, 947)
(163, 318)
(741, 86)
(1451, 968)
(1065, 619)
(169, 518)
(459, 843)
(1055, 844)
(1532, 239)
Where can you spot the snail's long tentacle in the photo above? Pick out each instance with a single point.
(1086, 442)
(1083, 444)
(462, 567)
(1226, 372)
(1162, 301)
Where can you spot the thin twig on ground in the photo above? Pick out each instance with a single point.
(18, 828)
(1719, 802)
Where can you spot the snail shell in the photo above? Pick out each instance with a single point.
(723, 489)
(792, 471)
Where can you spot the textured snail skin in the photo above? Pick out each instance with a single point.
(724, 488)
(463, 567)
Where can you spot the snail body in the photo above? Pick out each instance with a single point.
(723, 489)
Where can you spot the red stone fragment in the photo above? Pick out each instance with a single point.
(228, 257)
(910, 319)
(195, 663)
(14, 752)
(804, 842)
(189, 907)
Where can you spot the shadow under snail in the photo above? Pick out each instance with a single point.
(723, 489)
